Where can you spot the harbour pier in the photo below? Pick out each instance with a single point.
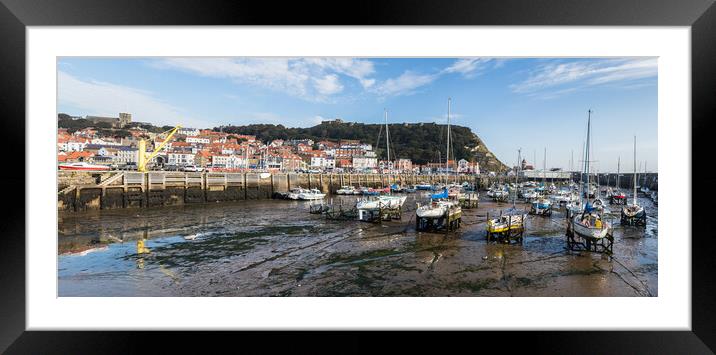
(81, 191)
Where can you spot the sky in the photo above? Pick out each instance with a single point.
(530, 104)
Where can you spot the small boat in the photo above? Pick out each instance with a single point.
(589, 224)
(312, 194)
(378, 202)
(346, 190)
(82, 166)
(633, 214)
(541, 206)
(617, 197)
(424, 186)
(295, 192)
(437, 209)
(530, 194)
(510, 220)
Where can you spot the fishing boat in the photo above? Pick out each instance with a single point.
(588, 224)
(509, 223)
(424, 186)
(437, 209)
(509, 220)
(383, 201)
(295, 192)
(82, 166)
(530, 194)
(312, 194)
(633, 214)
(347, 190)
(541, 206)
(617, 198)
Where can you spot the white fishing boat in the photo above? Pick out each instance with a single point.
(295, 192)
(530, 194)
(382, 201)
(312, 194)
(347, 190)
(436, 209)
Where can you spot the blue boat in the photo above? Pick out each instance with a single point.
(441, 195)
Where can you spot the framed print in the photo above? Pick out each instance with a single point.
(482, 169)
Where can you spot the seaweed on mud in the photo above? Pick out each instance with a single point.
(473, 286)
(363, 257)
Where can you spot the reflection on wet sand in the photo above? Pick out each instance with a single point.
(276, 248)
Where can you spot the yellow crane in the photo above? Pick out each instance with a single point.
(142, 147)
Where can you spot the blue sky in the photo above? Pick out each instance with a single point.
(510, 103)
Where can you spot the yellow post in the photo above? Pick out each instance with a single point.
(142, 151)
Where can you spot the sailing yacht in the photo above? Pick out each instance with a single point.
(617, 197)
(383, 201)
(542, 205)
(633, 214)
(589, 223)
(439, 204)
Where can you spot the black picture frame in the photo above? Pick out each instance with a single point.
(15, 15)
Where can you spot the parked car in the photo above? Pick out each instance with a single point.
(193, 168)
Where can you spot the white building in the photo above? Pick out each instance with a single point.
(364, 163)
(179, 158)
(323, 162)
(76, 145)
(127, 155)
(192, 132)
(228, 161)
(199, 140)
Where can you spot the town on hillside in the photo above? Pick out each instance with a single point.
(112, 143)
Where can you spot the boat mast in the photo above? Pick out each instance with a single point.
(634, 170)
(619, 161)
(519, 168)
(387, 136)
(447, 149)
(544, 167)
(586, 150)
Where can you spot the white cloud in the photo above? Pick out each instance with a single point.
(582, 74)
(469, 67)
(408, 82)
(328, 85)
(106, 99)
(313, 79)
(359, 69)
(405, 84)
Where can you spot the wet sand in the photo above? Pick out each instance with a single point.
(276, 248)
